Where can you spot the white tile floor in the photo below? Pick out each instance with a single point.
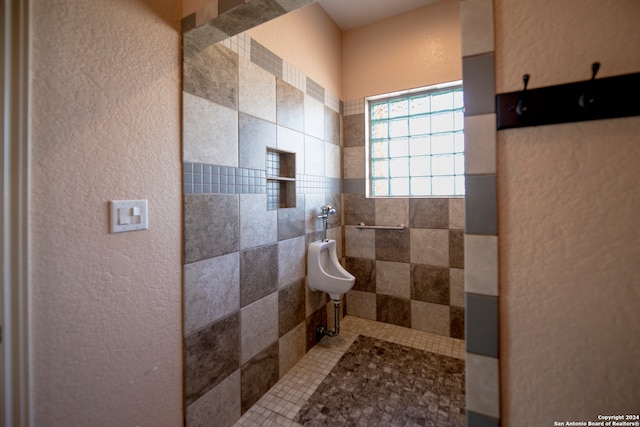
(283, 401)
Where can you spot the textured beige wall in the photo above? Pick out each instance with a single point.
(568, 221)
(308, 39)
(414, 49)
(106, 308)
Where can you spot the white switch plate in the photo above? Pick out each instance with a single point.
(129, 215)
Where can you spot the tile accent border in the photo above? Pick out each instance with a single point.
(200, 178)
(481, 216)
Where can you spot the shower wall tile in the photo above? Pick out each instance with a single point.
(354, 163)
(293, 142)
(481, 258)
(313, 156)
(211, 355)
(255, 135)
(331, 126)
(247, 16)
(393, 278)
(430, 247)
(313, 203)
(257, 326)
(354, 130)
(361, 304)
(221, 403)
(335, 200)
(430, 284)
(358, 208)
(332, 160)
(211, 226)
(257, 91)
(291, 220)
(456, 248)
(429, 213)
(258, 273)
(314, 301)
(364, 271)
(478, 75)
(211, 74)
(456, 213)
(291, 261)
(318, 318)
(482, 384)
(457, 322)
(211, 290)
(289, 106)
(259, 375)
(313, 117)
(210, 132)
(391, 212)
(292, 348)
(481, 205)
(257, 225)
(456, 287)
(291, 307)
(482, 324)
(478, 420)
(477, 27)
(429, 317)
(393, 310)
(392, 245)
(359, 243)
(480, 144)
(354, 186)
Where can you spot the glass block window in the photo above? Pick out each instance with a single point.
(416, 142)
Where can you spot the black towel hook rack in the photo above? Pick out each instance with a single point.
(602, 98)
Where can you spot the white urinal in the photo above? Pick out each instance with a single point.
(324, 272)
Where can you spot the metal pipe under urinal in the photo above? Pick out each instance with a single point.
(321, 330)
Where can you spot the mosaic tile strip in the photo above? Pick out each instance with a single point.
(201, 178)
(240, 44)
(294, 77)
(354, 106)
(315, 90)
(378, 383)
(266, 59)
(312, 184)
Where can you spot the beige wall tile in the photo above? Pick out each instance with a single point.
(430, 247)
(429, 317)
(258, 326)
(482, 384)
(257, 90)
(211, 290)
(221, 403)
(361, 304)
(481, 264)
(359, 243)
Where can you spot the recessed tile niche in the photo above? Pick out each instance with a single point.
(281, 179)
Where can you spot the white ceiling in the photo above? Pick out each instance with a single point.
(348, 14)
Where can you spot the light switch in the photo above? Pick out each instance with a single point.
(129, 215)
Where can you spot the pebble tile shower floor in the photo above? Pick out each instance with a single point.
(283, 402)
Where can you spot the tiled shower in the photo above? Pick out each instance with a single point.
(248, 315)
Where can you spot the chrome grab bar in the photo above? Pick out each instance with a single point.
(362, 226)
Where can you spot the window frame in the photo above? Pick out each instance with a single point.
(403, 94)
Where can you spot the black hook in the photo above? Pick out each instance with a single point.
(521, 108)
(587, 99)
